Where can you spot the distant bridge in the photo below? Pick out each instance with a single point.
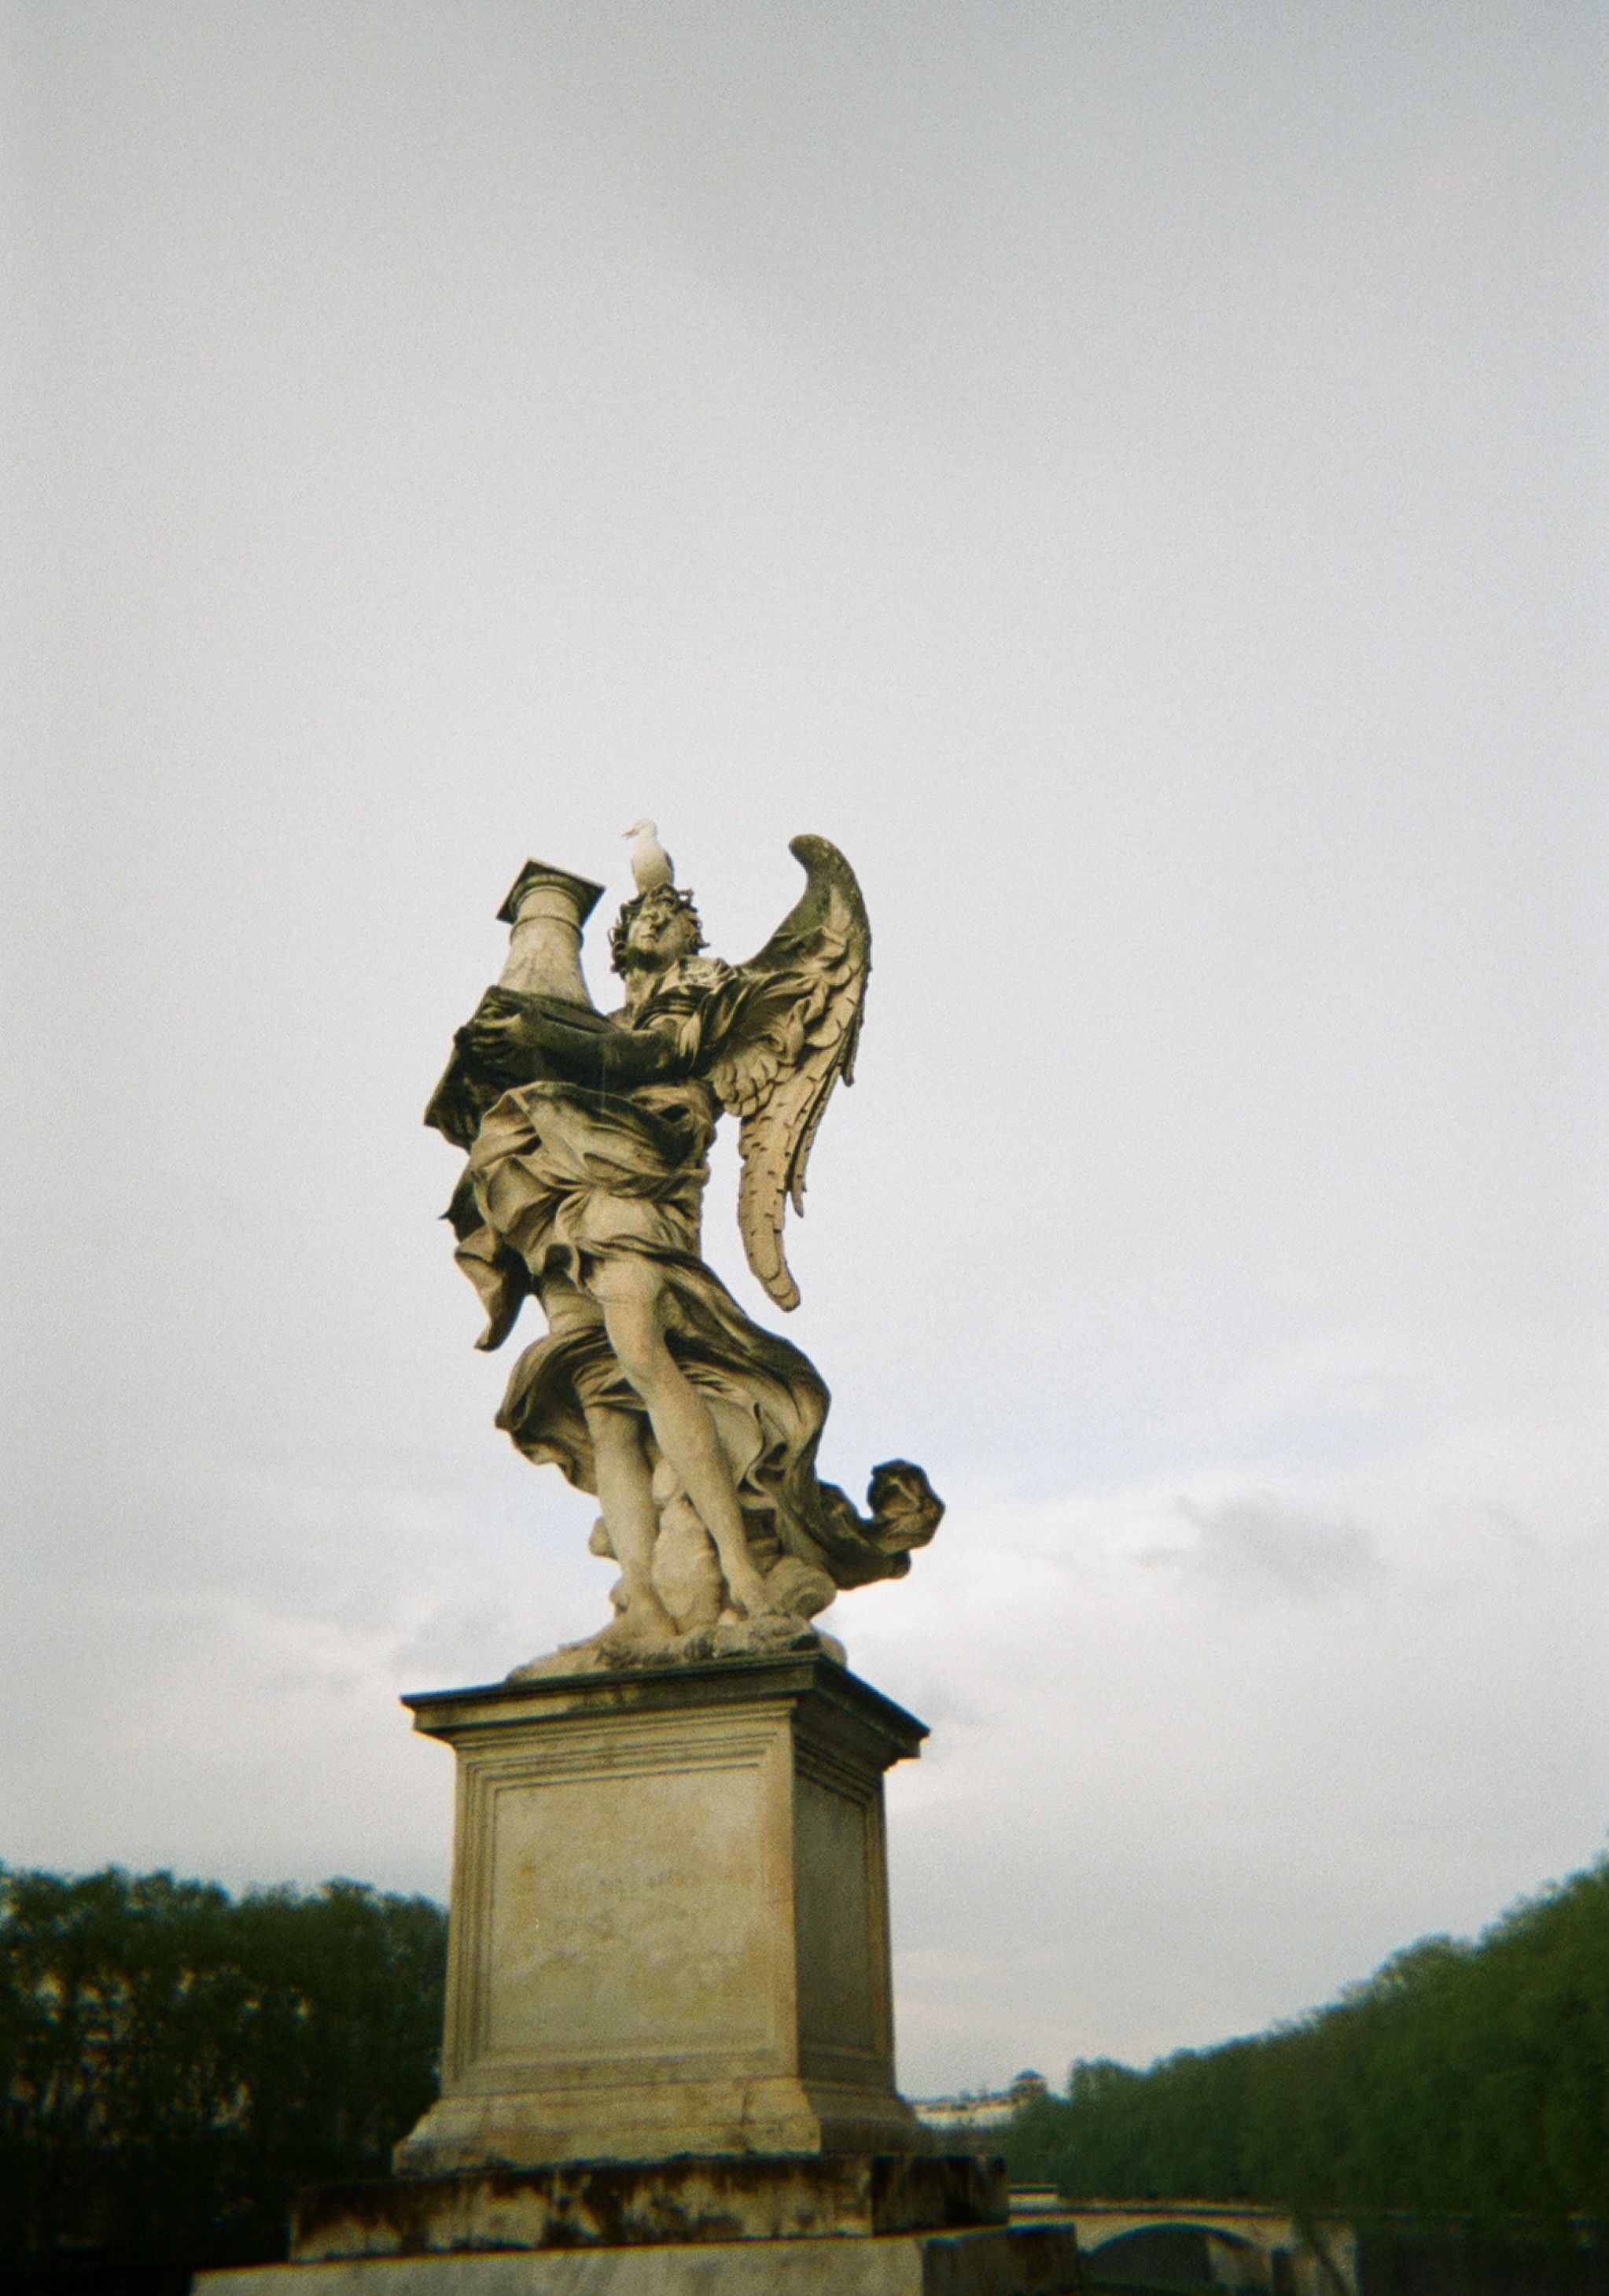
(1235, 2244)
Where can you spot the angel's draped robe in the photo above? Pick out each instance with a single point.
(562, 1183)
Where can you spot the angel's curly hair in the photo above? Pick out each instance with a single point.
(669, 898)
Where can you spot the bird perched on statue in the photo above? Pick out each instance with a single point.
(651, 865)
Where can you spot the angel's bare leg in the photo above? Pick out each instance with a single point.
(683, 1428)
(626, 1495)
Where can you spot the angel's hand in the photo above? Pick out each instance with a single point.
(524, 1038)
(513, 1037)
(504, 1036)
(567, 1014)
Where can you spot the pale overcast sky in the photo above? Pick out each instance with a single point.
(1132, 475)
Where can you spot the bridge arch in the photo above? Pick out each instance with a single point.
(1235, 2246)
(1180, 2253)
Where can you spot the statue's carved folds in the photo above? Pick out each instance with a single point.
(587, 1139)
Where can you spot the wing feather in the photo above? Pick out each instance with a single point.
(790, 1031)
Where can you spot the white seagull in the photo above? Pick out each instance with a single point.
(651, 865)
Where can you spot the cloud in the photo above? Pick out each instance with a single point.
(1180, 1787)
(1166, 582)
(1259, 1545)
(1205, 1745)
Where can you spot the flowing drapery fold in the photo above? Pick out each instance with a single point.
(562, 1183)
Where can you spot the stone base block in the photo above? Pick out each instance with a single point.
(615, 2204)
(645, 2120)
(669, 1926)
(1006, 2260)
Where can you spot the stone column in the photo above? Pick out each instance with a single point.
(669, 1930)
(544, 911)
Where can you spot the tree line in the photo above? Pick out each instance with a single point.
(1464, 2079)
(175, 2062)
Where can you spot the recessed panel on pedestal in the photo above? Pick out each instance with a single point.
(626, 1917)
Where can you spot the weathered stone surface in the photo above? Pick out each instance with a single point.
(544, 911)
(616, 2204)
(669, 1919)
(1016, 2260)
(587, 1138)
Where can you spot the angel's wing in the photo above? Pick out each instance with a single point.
(789, 1030)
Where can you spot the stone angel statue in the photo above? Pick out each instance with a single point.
(587, 1138)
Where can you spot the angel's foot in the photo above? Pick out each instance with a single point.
(750, 1593)
(641, 1625)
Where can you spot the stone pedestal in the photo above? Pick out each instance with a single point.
(669, 2065)
(669, 1922)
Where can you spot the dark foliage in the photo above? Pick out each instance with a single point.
(173, 2063)
(1466, 2079)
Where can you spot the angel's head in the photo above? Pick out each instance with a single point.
(655, 929)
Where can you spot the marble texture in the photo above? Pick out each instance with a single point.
(545, 912)
(586, 1137)
(669, 1928)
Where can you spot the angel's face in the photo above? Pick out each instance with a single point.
(660, 934)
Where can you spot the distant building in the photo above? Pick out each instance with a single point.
(971, 2119)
